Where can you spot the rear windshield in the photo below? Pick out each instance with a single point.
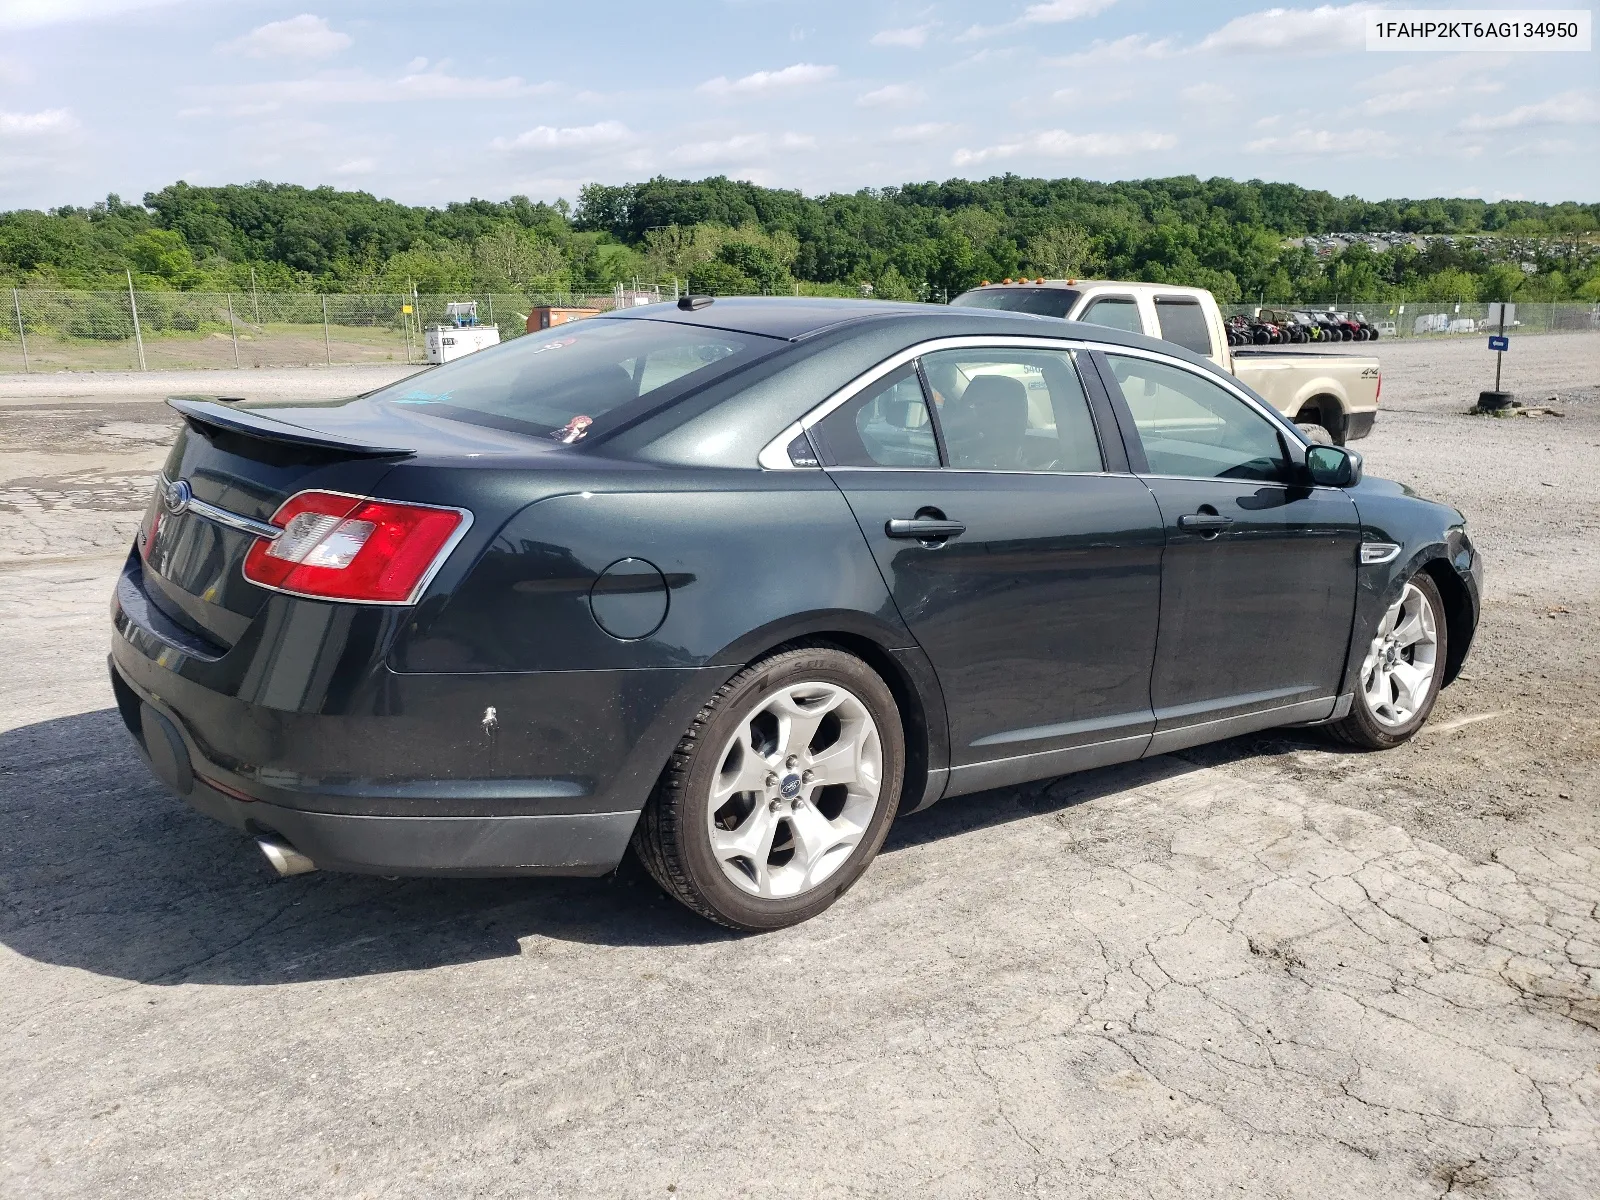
(585, 377)
(1040, 301)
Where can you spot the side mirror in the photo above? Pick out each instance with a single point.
(1333, 466)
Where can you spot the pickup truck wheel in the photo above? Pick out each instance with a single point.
(780, 791)
(1316, 433)
(1402, 672)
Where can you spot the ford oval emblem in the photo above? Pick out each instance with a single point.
(175, 496)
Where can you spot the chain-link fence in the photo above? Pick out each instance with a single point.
(1440, 318)
(120, 331)
(115, 331)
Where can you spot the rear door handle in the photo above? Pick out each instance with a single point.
(1204, 522)
(923, 529)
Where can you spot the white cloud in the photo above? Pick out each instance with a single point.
(362, 88)
(1327, 143)
(416, 64)
(1058, 143)
(36, 124)
(894, 95)
(1207, 94)
(546, 137)
(1051, 13)
(925, 131)
(357, 166)
(1136, 47)
(1063, 10)
(1541, 148)
(1324, 30)
(759, 82)
(912, 38)
(34, 14)
(1421, 99)
(1569, 108)
(742, 147)
(304, 36)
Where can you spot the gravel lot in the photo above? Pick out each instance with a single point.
(1263, 968)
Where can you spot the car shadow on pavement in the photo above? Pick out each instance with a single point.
(101, 869)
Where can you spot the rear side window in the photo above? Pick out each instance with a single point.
(885, 425)
(1114, 312)
(563, 381)
(1011, 409)
(1183, 322)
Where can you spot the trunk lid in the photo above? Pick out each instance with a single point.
(246, 460)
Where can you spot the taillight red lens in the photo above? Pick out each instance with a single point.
(1378, 395)
(338, 547)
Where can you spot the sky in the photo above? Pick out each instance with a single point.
(432, 102)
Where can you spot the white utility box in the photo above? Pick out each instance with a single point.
(463, 336)
(445, 343)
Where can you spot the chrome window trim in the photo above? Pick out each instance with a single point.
(986, 471)
(774, 455)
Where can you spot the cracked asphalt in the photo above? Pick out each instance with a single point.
(1265, 968)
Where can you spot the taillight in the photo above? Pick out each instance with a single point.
(336, 547)
(1378, 395)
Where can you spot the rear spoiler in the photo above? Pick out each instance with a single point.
(209, 414)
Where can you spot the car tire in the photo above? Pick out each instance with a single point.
(1379, 719)
(784, 848)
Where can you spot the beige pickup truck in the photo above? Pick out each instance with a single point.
(1332, 396)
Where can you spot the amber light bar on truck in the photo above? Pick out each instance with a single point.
(353, 548)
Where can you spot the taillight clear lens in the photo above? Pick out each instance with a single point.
(348, 548)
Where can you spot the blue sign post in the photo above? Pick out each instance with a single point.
(1499, 342)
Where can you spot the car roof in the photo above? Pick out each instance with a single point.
(794, 318)
(802, 319)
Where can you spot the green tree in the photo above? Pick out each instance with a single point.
(1060, 252)
(161, 258)
(510, 259)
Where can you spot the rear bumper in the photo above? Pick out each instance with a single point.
(376, 842)
(302, 731)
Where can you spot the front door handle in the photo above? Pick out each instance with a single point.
(924, 529)
(1204, 522)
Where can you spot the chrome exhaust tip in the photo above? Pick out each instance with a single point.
(285, 859)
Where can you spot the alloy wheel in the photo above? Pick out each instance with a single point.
(796, 789)
(1398, 671)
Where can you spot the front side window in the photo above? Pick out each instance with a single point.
(1114, 312)
(1192, 427)
(561, 381)
(885, 425)
(1012, 410)
(1183, 322)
